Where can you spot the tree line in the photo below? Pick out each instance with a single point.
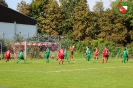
(75, 19)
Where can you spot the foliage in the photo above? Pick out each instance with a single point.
(74, 19)
(18, 37)
(98, 7)
(3, 2)
(80, 20)
(23, 8)
(52, 22)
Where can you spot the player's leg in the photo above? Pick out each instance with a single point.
(124, 59)
(127, 58)
(96, 57)
(72, 55)
(106, 59)
(103, 58)
(59, 58)
(66, 57)
(18, 59)
(6, 58)
(47, 57)
(89, 57)
(24, 60)
(62, 58)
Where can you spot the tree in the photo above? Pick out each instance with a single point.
(98, 7)
(2, 2)
(113, 27)
(38, 7)
(51, 22)
(23, 8)
(80, 20)
(68, 8)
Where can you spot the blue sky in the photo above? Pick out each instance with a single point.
(13, 3)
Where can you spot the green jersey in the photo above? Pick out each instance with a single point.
(48, 51)
(125, 53)
(88, 51)
(21, 54)
(65, 51)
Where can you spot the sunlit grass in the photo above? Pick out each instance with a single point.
(73, 74)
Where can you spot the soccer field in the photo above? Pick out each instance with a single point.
(73, 74)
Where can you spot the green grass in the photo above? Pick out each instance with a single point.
(73, 74)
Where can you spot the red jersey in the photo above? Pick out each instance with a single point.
(8, 54)
(96, 52)
(105, 52)
(71, 49)
(61, 54)
(61, 51)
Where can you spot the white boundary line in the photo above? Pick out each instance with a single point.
(71, 70)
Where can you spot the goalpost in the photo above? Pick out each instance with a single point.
(35, 49)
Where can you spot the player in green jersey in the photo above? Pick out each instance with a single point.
(47, 54)
(124, 55)
(88, 54)
(21, 56)
(65, 55)
(127, 54)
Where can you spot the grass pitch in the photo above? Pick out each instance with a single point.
(74, 74)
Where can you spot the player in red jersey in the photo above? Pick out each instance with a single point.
(61, 55)
(96, 54)
(8, 55)
(105, 55)
(72, 52)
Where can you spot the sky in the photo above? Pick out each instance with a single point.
(13, 3)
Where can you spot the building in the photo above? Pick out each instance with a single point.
(13, 22)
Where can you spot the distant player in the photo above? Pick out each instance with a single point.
(127, 54)
(105, 55)
(21, 56)
(72, 52)
(96, 54)
(65, 54)
(47, 54)
(61, 55)
(88, 54)
(124, 55)
(8, 55)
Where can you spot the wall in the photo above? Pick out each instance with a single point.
(7, 30)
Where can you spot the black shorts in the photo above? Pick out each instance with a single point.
(72, 53)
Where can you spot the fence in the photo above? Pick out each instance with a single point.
(34, 47)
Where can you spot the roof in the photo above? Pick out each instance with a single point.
(10, 16)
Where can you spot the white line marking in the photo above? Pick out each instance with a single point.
(71, 70)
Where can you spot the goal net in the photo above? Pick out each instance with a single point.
(35, 49)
